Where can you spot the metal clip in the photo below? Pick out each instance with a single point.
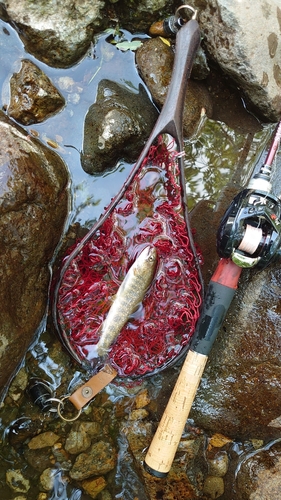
(172, 24)
(60, 408)
(41, 394)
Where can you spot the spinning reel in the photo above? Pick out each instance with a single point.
(250, 230)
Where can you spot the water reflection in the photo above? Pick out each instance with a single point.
(78, 85)
(219, 156)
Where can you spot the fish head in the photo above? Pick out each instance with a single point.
(147, 259)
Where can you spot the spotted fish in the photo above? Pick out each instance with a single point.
(130, 294)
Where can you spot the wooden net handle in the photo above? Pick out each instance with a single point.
(162, 450)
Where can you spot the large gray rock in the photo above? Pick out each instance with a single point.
(240, 392)
(33, 207)
(57, 33)
(244, 38)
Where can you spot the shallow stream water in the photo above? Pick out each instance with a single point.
(217, 157)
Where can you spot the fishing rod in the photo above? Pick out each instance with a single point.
(249, 235)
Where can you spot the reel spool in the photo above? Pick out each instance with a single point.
(250, 231)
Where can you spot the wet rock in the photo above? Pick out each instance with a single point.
(138, 16)
(213, 487)
(138, 414)
(39, 460)
(33, 96)
(61, 456)
(240, 392)
(251, 59)
(22, 429)
(116, 126)
(218, 464)
(57, 34)
(18, 384)
(258, 475)
(155, 63)
(93, 429)
(100, 459)
(16, 481)
(47, 479)
(105, 495)
(77, 441)
(44, 439)
(142, 399)
(33, 207)
(94, 486)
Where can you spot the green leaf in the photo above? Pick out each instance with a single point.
(134, 45)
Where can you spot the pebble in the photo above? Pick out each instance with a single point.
(218, 465)
(16, 481)
(47, 479)
(213, 486)
(94, 486)
(142, 399)
(99, 459)
(33, 96)
(43, 440)
(77, 441)
(18, 385)
(139, 414)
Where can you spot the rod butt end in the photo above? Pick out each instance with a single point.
(154, 472)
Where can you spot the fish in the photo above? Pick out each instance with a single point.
(129, 296)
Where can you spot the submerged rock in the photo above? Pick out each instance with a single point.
(257, 475)
(33, 96)
(16, 481)
(116, 127)
(155, 63)
(33, 207)
(100, 459)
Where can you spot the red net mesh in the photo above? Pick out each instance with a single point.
(150, 212)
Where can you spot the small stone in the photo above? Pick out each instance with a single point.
(16, 481)
(47, 479)
(218, 465)
(257, 443)
(77, 441)
(42, 496)
(100, 459)
(94, 486)
(93, 429)
(105, 495)
(213, 486)
(142, 399)
(33, 96)
(139, 414)
(18, 385)
(43, 440)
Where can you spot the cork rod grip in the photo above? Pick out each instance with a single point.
(162, 450)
